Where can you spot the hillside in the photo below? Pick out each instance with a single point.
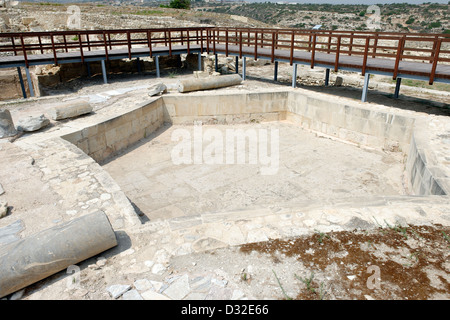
(398, 17)
(46, 16)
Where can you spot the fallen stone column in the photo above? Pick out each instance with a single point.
(196, 84)
(70, 109)
(7, 128)
(36, 257)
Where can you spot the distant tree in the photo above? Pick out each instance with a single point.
(180, 4)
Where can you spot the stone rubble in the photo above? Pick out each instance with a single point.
(30, 123)
(157, 89)
(179, 287)
(3, 209)
(118, 290)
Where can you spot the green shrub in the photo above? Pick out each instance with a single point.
(434, 25)
(180, 4)
(410, 20)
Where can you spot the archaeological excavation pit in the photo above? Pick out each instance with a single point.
(307, 168)
(169, 155)
(300, 163)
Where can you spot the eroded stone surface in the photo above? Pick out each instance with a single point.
(31, 123)
(7, 128)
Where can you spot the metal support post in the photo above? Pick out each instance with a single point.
(365, 88)
(275, 72)
(22, 84)
(216, 63)
(88, 66)
(294, 75)
(327, 76)
(200, 62)
(397, 87)
(158, 75)
(105, 79)
(138, 62)
(30, 84)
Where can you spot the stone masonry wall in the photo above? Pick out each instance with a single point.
(112, 135)
(354, 123)
(377, 127)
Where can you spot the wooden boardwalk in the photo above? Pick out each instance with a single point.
(365, 52)
(353, 63)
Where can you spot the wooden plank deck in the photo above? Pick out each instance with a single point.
(62, 57)
(354, 63)
(345, 62)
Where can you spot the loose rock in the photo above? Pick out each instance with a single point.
(31, 124)
(339, 81)
(3, 209)
(117, 290)
(158, 88)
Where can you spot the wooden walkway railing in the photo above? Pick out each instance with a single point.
(430, 50)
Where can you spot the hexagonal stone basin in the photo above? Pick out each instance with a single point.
(309, 169)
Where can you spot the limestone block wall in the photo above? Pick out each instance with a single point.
(375, 126)
(385, 128)
(354, 123)
(426, 176)
(225, 108)
(111, 135)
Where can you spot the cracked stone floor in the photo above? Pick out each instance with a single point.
(309, 168)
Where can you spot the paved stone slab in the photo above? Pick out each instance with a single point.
(151, 295)
(117, 290)
(179, 288)
(132, 295)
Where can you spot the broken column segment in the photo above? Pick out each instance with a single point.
(196, 84)
(26, 261)
(7, 128)
(70, 109)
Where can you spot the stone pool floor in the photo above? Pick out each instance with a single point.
(306, 168)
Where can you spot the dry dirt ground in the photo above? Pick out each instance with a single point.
(388, 262)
